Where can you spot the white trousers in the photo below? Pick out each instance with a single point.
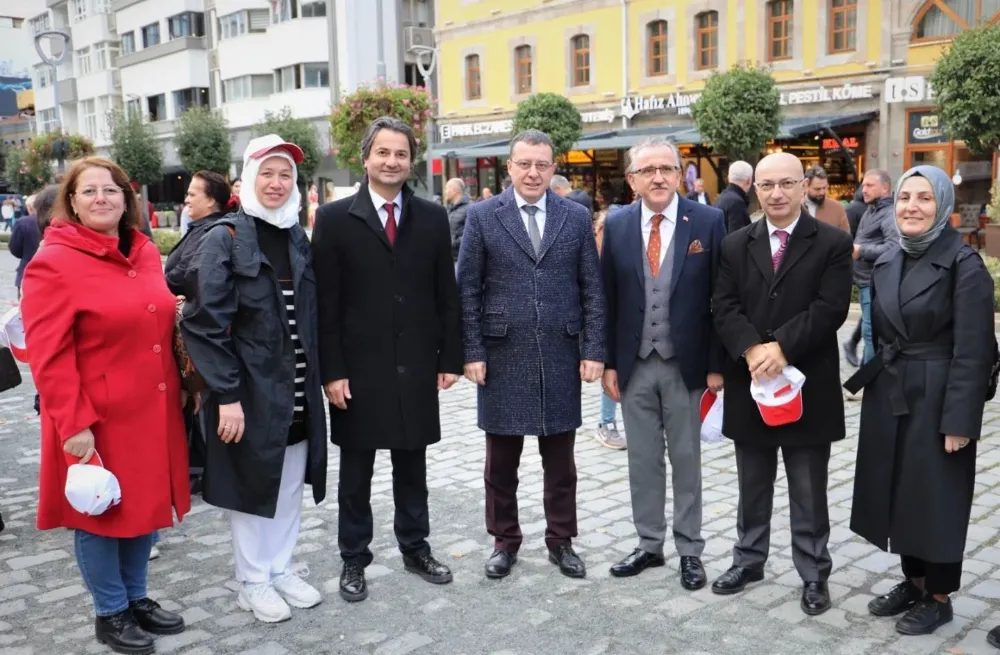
(262, 548)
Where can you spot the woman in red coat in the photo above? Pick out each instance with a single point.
(99, 320)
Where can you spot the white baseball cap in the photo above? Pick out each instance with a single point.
(780, 399)
(90, 488)
(12, 334)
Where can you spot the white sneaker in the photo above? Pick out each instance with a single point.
(296, 591)
(154, 552)
(264, 602)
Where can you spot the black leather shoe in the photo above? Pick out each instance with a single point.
(898, 600)
(735, 580)
(569, 562)
(635, 563)
(926, 616)
(692, 573)
(154, 619)
(122, 634)
(815, 598)
(499, 564)
(428, 568)
(993, 638)
(353, 587)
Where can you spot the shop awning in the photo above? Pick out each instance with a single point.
(462, 150)
(804, 125)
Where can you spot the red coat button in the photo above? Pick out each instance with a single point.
(131, 273)
(162, 386)
(156, 348)
(152, 308)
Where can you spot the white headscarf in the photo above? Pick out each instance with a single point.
(283, 217)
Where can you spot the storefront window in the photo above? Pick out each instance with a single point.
(470, 175)
(975, 173)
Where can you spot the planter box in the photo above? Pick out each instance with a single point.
(992, 234)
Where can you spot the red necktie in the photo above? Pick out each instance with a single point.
(390, 222)
(653, 248)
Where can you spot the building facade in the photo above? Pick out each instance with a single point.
(634, 67)
(243, 57)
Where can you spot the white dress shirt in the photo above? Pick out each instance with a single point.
(379, 203)
(775, 242)
(667, 226)
(539, 215)
(703, 198)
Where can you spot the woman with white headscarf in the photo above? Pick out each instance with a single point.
(252, 337)
(922, 413)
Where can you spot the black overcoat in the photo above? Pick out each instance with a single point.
(236, 332)
(389, 319)
(910, 495)
(801, 307)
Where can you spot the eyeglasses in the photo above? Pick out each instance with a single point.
(109, 192)
(768, 185)
(540, 166)
(650, 171)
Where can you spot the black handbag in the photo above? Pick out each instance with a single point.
(10, 374)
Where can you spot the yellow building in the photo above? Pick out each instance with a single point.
(633, 67)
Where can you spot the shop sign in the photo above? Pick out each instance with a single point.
(925, 127)
(599, 116)
(489, 128)
(828, 94)
(634, 105)
(913, 88)
(850, 142)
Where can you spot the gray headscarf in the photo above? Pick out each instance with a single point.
(944, 196)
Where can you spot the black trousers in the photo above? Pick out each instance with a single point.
(939, 578)
(409, 493)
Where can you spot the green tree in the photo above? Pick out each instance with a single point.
(350, 119)
(299, 131)
(202, 141)
(738, 112)
(25, 171)
(553, 114)
(135, 148)
(968, 88)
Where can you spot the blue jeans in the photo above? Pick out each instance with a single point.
(113, 570)
(608, 409)
(156, 538)
(866, 323)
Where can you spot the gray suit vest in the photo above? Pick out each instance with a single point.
(656, 320)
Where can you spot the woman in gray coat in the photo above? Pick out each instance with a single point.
(932, 319)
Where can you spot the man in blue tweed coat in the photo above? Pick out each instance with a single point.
(533, 329)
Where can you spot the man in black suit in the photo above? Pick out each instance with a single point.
(698, 194)
(733, 201)
(390, 338)
(783, 290)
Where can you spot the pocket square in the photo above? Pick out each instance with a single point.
(695, 247)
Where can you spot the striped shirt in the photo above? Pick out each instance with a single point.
(288, 290)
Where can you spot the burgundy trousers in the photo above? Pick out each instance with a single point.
(503, 455)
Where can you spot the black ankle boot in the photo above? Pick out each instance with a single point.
(122, 634)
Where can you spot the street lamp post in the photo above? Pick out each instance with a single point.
(379, 40)
(427, 69)
(53, 60)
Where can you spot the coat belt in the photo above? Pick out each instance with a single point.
(885, 360)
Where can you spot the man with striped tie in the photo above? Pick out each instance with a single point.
(390, 339)
(783, 290)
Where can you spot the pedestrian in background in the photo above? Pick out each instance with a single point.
(457, 203)
(252, 335)
(607, 433)
(88, 293)
(734, 200)
(878, 233)
(533, 323)
(24, 239)
(817, 186)
(925, 393)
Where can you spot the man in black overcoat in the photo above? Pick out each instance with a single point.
(390, 339)
(783, 290)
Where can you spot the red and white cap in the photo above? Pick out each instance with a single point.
(90, 488)
(265, 145)
(12, 334)
(780, 399)
(711, 417)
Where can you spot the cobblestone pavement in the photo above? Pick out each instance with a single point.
(44, 609)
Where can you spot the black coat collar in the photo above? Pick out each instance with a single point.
(363, 208)
(799, 243)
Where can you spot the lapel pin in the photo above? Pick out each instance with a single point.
(685, 218)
